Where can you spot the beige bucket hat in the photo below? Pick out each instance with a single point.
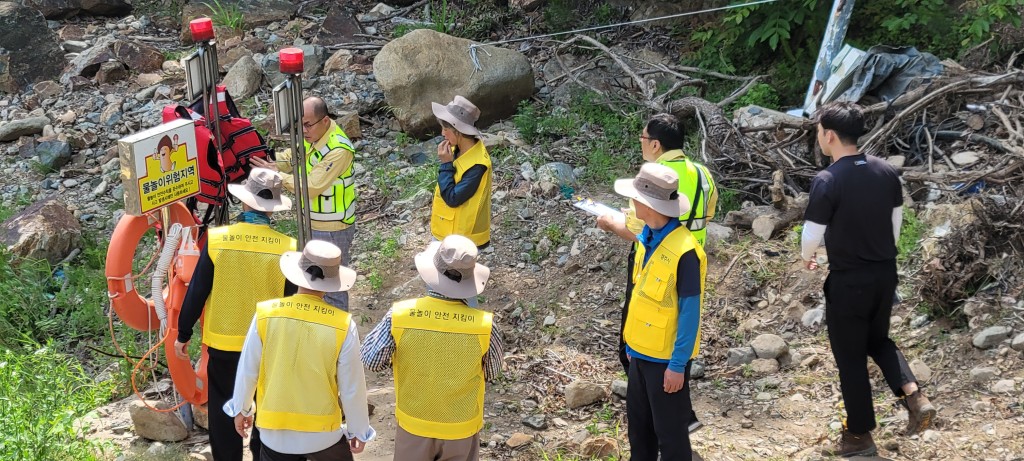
(262, 191)
(461, 113)
(656, 186)
(449, 267)
(318, 267)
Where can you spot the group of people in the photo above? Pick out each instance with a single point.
(284, 350)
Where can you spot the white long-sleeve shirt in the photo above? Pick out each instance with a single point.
(351, 395)
(813, 234)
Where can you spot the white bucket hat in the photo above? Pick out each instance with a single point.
(656, 186)
(461, 113)
(318, 267)
(449, 267)
(262, 191)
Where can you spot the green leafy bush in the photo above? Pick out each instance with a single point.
(42, 393)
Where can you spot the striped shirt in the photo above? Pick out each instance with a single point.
(379, 346)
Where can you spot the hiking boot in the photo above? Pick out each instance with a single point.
(851, 445)
(920, 412)
(694, 426)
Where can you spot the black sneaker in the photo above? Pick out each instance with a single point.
(695, 425)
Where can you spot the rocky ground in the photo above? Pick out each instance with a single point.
(765, 385)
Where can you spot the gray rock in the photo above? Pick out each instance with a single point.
(813, 317)
(697, 370)
(769, 346)
(139, 57)
(538, 422)
(1018, 343)
(53, 154)
(527, 171)
(992, 336)
(44, 230)
(717, 234)
(243, 80)
(13, 130)
(965, 158)
(425, 66)
(549, 320)
(740, 356)
(583, 393)
(921, 371)
(930, 436)
(1004, 386)
(153, 425)
(32, 54)
(919, 321)
(74, 46)
(88, 63)
(765, 366)
(982, 375)
(46, 89)
(619, 387)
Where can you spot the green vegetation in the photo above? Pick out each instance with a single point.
(44, 392)
(402, 183)
(604, 140)
(383, 250)
(910, 236)
(782, 39)
(226, 15)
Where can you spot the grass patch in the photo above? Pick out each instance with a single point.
(226, 15)
(43, 393)
(607, 146)
(908, 245)
(384, 253)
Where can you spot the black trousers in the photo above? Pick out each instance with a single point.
(337, 452)
(225, 442)
(623, 358)
(657, 420)
(858, 304)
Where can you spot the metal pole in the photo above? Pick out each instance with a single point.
(305, 232)
(210, 73)
(831, 43)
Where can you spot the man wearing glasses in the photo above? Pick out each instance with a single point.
(332, 190)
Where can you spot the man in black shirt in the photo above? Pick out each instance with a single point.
(856, 205)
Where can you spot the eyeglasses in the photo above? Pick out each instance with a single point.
(309, 125)
(646, 137)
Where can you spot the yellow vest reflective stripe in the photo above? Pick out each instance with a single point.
(337, 203)
(697, 185)
(473, 218)
(653, 316)
(438, 363)
(246, 261)
(297, 387)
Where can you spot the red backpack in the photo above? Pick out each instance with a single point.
(239, 142)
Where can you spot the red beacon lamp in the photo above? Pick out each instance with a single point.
(291, 61)
(202, 29)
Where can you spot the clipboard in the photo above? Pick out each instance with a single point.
(597, 208)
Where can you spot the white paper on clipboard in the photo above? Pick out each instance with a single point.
(597, 208)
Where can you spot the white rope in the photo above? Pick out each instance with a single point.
(476, 61)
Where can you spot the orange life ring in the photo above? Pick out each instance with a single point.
(134, 309)
(189, 381)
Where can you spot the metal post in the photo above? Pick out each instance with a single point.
(294, 85)
(208, 67)
(831, 43)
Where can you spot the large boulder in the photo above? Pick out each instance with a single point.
(28, 48)
(44, 230)
(107, 7)
(243, 80)
(56, 9)
(162, 426)
(426, 66)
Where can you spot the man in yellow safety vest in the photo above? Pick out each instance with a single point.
(330, 157)
(441, 351)
(301, 360)
(223, 285)
(662, 329)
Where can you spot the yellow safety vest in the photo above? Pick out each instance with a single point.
(696, 184)
(653, 316)
(246, 260)
(438, 363)
(297, 387)
(337, 203)
(473, 218)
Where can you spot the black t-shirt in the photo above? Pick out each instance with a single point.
(855, 197)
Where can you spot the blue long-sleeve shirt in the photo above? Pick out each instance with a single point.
(688, 290)
(456, 193)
